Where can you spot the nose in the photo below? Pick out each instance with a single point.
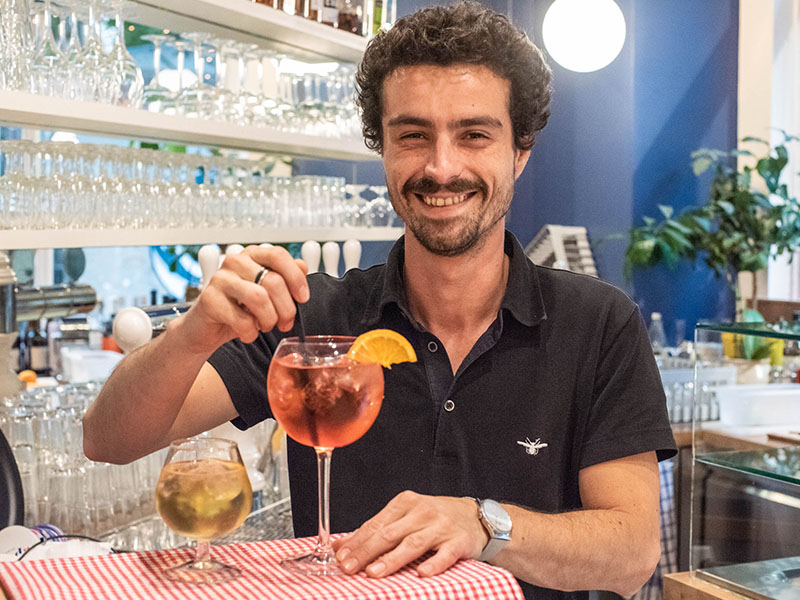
(444, 162)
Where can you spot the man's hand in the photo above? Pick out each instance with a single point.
(408, 527)
(232, 304)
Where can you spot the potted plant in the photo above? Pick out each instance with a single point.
(748, 218)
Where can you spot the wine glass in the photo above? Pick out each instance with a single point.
(197, 97)
(155, 95)
(325, 400)
(47, 77)
(203, 492)
(128, 74)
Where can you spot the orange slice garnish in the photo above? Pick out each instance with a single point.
(382, 346)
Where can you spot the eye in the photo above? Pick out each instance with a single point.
(476, 135)
(414, 135)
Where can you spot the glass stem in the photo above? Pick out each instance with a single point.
(120, 23)
(203, 554)
(199, 66)
(324, 484)
(156, 60)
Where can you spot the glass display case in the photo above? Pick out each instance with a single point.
(745, 492)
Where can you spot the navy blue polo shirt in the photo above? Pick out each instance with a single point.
(563, 379)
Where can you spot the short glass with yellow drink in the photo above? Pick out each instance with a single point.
(203, 492)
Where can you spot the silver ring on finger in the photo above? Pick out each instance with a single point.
(260, 275)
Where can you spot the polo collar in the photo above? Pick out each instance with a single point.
(523, 297)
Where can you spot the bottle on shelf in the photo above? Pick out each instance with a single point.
(351, 16)
(329, 13)
(36, 350)
(312, 9)
(15, 355)
(287, 6)
(384, 14)
(658, 339)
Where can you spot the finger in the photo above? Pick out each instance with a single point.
(250, 297)
(409, 549)
(444, 558)
(302, 264)
(378, 535)
(279, 260)
(221, 310)
(281, 299)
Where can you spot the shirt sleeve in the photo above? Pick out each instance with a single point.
(628, 414)
(243, 369)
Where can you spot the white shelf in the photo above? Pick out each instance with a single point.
(30, 110)
(84, 238)
(250, 22)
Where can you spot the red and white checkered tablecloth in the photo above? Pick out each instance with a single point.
(135, 575)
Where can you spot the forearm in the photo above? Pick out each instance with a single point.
(601, 549)
(140, 402)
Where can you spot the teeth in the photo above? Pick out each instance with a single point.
(435, 201)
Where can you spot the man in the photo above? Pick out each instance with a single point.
(535, 388)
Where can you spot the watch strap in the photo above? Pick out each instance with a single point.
(497, 539)
(492, 548)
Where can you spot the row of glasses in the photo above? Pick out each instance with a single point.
(66, 57)
(252, 86)
(57, 50)
(62, 487)
(60, 185)
(681, 402)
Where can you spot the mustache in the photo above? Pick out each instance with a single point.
(427, 186)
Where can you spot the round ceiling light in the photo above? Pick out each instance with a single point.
(583, 35)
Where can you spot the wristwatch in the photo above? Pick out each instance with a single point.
(497, 522)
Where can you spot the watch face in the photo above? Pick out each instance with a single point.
(496, 515)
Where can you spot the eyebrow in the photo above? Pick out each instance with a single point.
(483, 121)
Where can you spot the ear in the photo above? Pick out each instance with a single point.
(520, 160)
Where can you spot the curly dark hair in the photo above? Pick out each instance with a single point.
(466, 32)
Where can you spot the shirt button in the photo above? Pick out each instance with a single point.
(449, 405)
(433, 346)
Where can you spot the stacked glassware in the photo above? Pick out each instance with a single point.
(61, 486)
(56, 50)
(60, 185)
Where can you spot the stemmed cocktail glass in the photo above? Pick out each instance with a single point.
(325, 400)
(203, 492)
(155, 95)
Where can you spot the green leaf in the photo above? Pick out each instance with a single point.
(703, 223)
(666, 210)
(679, 240)
(751, 138)
(726, 206)
(701, 164)
(679, 226)
(668, 255)
(640, 253)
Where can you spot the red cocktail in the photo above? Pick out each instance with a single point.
(324, 399)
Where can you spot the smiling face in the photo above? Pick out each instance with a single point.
(449, 154)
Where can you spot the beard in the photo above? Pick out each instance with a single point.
(457, 235)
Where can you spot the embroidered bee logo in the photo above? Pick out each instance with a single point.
(533, 448)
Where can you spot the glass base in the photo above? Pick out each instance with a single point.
(202, 571)
(318, 564)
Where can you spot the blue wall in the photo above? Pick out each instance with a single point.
(618, 142)
(619, 139)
